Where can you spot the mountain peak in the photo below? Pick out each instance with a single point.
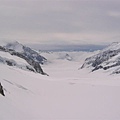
(15, 46)
(32, 57)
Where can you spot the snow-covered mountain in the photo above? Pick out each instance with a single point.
(26, 51)
(18, 55)
(106, 59)
(67, 94)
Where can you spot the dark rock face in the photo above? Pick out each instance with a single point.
(97, 68)
(105, 59)
(31, 54)
(2, 48)
(10, 63)
(1, 90)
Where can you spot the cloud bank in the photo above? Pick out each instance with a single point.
(59, 21)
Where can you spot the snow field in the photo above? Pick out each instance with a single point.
(66, 94)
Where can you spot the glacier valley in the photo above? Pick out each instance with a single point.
(59, 85)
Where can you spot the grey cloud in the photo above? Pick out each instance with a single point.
(25, 19)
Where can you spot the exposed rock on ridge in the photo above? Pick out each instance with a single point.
(30, 56)
(106, 59)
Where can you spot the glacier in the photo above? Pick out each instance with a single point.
(67, 93)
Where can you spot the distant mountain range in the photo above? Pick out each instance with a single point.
(21, 56)
(68, 47)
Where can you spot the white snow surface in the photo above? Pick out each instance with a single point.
(113, 46)
(68, 93)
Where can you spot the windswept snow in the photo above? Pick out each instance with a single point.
(67, 94)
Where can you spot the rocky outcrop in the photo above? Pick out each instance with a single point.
(2, 90)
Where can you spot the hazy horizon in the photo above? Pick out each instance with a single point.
(69, 47)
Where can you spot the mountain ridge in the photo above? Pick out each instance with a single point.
(106, 59)
(33, 58)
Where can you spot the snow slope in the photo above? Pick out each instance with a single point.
(67, 94)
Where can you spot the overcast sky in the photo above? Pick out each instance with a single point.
(60, 21)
